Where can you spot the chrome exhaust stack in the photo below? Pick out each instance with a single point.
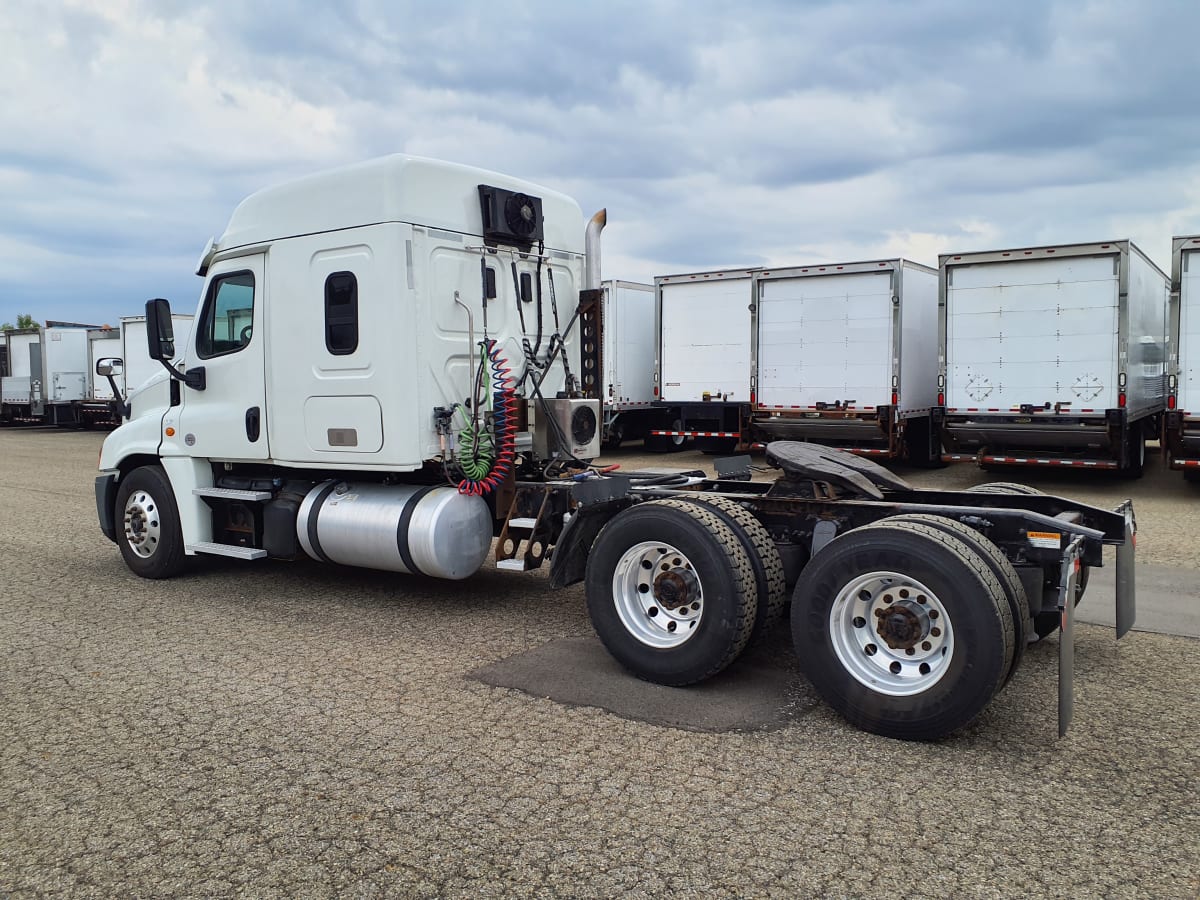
(591, 247)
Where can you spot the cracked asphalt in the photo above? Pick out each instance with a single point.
(298, 730)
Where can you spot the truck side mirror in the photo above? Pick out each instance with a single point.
(160, 335)
(109, 365)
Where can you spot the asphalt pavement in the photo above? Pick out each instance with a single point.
(300, 730)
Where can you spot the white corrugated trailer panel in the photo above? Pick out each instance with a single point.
(1187, 390)
(824, 339)
(705, 339)
(629, 319)
(1032, 332)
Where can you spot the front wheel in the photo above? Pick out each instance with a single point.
(671, 591)
(148, 531)
(903, 630)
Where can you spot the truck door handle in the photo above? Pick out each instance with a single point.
(253, 422)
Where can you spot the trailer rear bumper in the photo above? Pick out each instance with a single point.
(1080, 435)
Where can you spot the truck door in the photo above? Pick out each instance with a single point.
(227, 420)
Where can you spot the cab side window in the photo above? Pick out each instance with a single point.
(226, 322)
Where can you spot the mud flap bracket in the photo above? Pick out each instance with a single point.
(1068, 578)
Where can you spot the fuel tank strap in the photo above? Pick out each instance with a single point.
(402, 529)
(315, 514)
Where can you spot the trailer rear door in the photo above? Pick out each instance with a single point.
(705, 340)
(825, 339)
(1033, 332)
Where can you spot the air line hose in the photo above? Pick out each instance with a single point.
(486, 458)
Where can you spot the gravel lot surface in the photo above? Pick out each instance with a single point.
(271, 729)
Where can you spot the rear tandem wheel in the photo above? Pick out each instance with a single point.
(903, 629)
(671, 591)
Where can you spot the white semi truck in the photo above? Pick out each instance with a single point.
(364, 385)
(1052, 356)
(845, 354)
(1181, 422)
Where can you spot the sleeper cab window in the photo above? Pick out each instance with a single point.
(227, 321)
(341, 313)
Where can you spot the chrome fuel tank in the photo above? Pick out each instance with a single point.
(418, 529)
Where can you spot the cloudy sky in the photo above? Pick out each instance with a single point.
(717, 134)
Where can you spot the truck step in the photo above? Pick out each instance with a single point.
(231, 493)
(515, 565)
(522, 523)
(215, 549)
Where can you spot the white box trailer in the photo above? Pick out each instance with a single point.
(1181, 431)
(703, 372)
(846, 355)
(137, 367)
(103, 343)
(49, 378)
(629, 316)
(1052, 355)
(21, 389)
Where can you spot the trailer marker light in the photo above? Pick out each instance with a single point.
(941, 399)
(1121, 400)
(1171, 402)
(895, 398)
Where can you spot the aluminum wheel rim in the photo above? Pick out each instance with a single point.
(142, 528)
(657, 595)
(860, 631)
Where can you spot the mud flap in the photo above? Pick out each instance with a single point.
(1068, 577)
(1126, 590)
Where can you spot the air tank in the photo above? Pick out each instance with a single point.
(418, 529)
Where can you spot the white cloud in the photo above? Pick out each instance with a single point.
(716, 134)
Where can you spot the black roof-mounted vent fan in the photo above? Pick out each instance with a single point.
(510, 217)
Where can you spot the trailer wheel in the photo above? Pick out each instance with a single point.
(615, 435)
(668, 443)
(148, 531)
(764, 556)
(903, 629)
(671, 591)
(1001, 567)
(1002, 487)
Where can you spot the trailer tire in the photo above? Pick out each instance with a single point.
(694, 615)
(1002, 568)
(667, 443)
(873, 594)
(1003, 487)
(764, 556)
(147, 520)
(614, 436)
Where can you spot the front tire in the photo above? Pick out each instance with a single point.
(671, 591)
(903, 630)
(148, 530)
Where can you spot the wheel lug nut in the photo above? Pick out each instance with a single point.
(935, 632)
(925, 645)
